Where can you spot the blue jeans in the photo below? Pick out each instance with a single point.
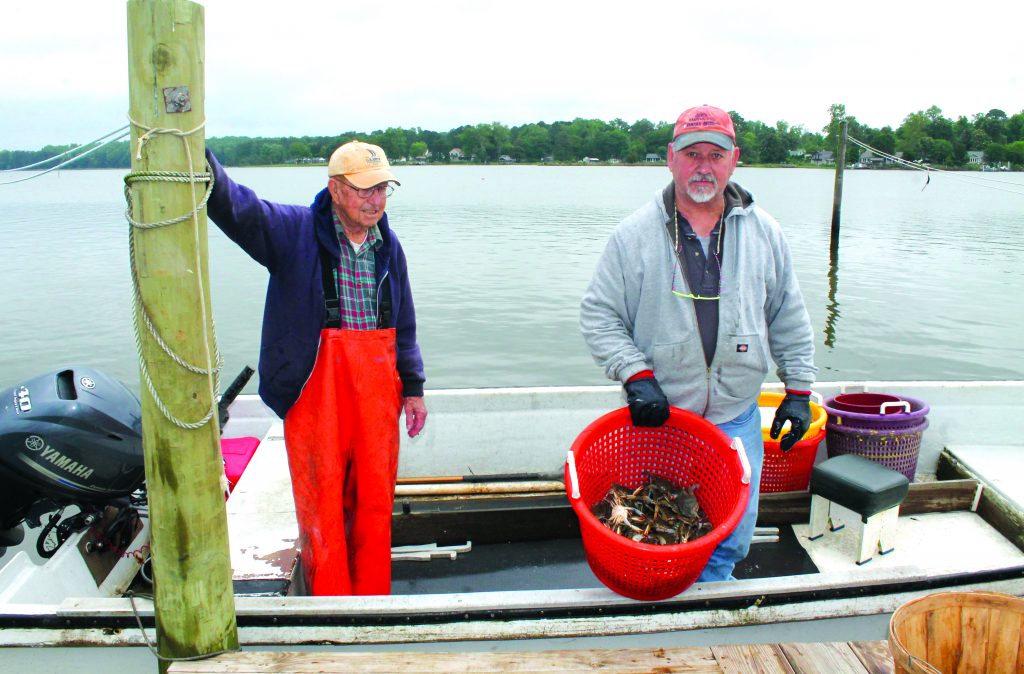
(747, 426)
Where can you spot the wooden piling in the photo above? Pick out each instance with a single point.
(194, 601)
(837, 194)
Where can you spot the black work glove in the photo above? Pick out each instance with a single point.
(648, 405)
(796, 409)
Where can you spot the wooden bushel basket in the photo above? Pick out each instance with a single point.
(958, 633)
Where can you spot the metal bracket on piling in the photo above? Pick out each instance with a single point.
(177, 99)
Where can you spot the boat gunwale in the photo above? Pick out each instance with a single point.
(736, 594)
(468, 627)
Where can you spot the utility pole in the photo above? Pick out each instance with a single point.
(194, 600)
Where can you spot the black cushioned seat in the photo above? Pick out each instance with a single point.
(860, 484)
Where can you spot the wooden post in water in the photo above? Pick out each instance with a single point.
(191, 562)
(837, 195)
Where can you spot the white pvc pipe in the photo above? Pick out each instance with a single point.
(737, 444)
(573, 478)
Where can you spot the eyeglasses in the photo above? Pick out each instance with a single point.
(387, 189)
(691, 296)
(717, 257)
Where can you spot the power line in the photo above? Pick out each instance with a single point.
(104, 139)
(975, 180)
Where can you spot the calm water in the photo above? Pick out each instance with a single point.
(928, 285)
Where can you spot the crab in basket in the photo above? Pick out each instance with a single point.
(657, 512)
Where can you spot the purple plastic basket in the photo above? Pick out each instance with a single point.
(895, 448)
(898, 419)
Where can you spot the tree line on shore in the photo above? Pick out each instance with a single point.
(924, 136)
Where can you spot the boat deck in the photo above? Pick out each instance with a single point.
(561, 563)
(1000, 464)
(858, 657)
(263, 532)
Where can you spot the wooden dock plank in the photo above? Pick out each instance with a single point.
(752, 659)
(834, 658)
(874, 655)
(698, 660)
(813, 658)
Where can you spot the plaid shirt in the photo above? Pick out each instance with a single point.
(356, 279)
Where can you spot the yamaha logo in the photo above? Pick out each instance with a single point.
(87, 382)
(36, 444)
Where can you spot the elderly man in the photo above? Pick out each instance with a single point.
(338, 360)
(693, 293)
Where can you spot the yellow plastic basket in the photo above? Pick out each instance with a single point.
(769, 402)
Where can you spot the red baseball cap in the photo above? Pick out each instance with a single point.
(704, 124)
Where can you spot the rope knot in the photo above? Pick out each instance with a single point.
(214, 359)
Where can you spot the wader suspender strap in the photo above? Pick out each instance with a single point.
(332, 305)
(384, 302)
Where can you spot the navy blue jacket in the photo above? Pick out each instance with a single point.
(287, 240)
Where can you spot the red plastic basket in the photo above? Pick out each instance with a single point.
(687, 450)
(789, 471)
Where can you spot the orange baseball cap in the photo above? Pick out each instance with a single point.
(364, 165)
(704, 124)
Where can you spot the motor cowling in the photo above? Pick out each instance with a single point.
(73, 435)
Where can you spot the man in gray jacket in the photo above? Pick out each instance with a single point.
(692, 294)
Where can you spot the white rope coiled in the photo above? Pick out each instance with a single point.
(214, 359)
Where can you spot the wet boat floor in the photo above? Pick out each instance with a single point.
(561, 564)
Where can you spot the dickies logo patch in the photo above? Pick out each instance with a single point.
(742, 348)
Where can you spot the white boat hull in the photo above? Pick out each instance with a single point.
(528, 430)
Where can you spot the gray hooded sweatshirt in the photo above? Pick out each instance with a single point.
(632, 321)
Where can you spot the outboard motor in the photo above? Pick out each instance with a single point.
(72, 436)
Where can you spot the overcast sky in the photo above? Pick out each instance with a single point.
(308, 67)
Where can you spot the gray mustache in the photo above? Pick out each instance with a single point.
(698, 177)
